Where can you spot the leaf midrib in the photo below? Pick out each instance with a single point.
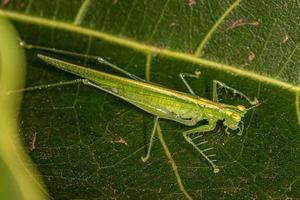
(148, 49)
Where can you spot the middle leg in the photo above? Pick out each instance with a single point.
(218, 84)
(145, 158)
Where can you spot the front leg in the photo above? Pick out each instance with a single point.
(218, 84)
(188, 135)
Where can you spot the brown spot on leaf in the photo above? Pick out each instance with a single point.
(33, 141)
(4, 3)
(191, 2)
(121, 141)
(251, 56)
(242, 22)
(285, 39)
(172, 24)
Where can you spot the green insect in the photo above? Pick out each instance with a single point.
(187, 109)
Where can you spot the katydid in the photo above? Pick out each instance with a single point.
(184, 108)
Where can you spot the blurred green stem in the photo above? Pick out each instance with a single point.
(15, 165)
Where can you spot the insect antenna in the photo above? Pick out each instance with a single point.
(256, 105)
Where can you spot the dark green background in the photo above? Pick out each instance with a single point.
(77, 128)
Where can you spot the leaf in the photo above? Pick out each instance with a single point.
(19, 179)
(88, 143)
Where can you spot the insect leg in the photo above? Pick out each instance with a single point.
(65, 52)
(145, 158)
(83, 81)
(182, 77)
(40, 87)
(218, 84)
(188, 135)
(115, 67)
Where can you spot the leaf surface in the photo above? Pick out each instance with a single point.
(88, 143)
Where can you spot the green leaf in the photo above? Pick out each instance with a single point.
(19, 178)
(88, 143)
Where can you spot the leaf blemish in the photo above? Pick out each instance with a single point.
(251, 56)
(33, 141)
(242, 22)
(191, 2)
(121, 141)
(285, 39)
(172, 24)
(4, 3)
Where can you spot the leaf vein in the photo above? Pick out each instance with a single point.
(288, 59)
(128, 17)
(214, 28)
(144, 48)
(159, 20)
(82, 11)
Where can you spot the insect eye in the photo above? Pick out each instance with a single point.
(236, 117)
(241, 107)
(228, 113)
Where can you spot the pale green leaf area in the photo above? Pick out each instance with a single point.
(87, 144)
(19, 178)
